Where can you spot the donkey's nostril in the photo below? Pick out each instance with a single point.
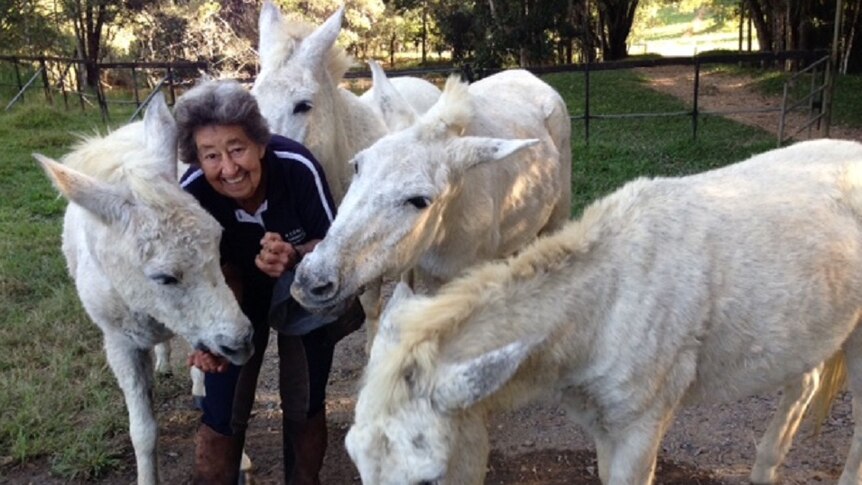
(227, 351)
(323, 290)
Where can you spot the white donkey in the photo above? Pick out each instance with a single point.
(299, 96)
(668, 292)
(144, 257)
(399, 100)
(449, 191)
(298, 92)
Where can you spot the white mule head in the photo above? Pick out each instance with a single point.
(295, 89)
(414, 423)
(395, 111)
(394, 209)
(156, 246)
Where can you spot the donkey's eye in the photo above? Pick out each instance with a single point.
(419, 202)
(301, 107)
(356, 168)
(165, 279)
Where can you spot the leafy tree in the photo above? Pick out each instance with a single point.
(807, 24)
(90, 21)
(28, 27)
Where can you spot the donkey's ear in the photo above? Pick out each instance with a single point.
(270, 35)
(467, 151)
(401, 294)
(314, 48)
(101, 199)
(462, 384)
(160, 135)
(397, 112)
(388, 335)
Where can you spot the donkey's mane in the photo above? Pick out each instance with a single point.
(121, 158)
(425, 322)
(454, 109)
(294, 31)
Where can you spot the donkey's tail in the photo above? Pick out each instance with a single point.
(832, 380)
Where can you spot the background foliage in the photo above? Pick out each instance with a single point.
(488, 33)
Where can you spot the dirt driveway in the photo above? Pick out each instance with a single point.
(720, 92)
(709, 444)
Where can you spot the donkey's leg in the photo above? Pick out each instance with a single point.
(776, 441)
(604, 451)
(852, 473)
(163, 357)
(133, 368)
(370, 299)
(633, 453)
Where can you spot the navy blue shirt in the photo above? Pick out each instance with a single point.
(298, 206)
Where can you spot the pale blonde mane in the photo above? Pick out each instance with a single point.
(294, 31)
(454, 109)
(122, 158)
(427, 322)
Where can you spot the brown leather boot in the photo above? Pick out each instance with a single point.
(217, 457)
(304, 449)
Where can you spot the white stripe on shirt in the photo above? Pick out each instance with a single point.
(317, 180)
(191, 178)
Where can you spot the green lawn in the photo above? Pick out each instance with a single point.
(622, 149)
(59, 400)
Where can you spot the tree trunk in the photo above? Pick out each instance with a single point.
(615, 20)
(760, 14)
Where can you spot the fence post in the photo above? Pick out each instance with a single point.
(18, 75)
(811, 104)
(100, 95)
(78, 76)
(135, 87)
(45, 83)
(171, 85)
(831, 69)
(694, 101)
(587, 102)
(62, 84)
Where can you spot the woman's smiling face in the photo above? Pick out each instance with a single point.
(231, 163)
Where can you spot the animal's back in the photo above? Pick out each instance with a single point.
(746, 268)
(531, 190)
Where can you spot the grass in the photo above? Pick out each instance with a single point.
(58, 398)
(622, 149)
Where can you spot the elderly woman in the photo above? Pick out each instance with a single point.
(270, 196)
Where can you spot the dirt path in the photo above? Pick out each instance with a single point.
(707, 444)
(721, 92)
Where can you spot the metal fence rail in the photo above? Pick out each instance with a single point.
(816, 61)
(66, 66)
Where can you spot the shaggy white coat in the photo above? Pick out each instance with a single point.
(298, 93)
(476, 177)
(145, 260)
(668, 292)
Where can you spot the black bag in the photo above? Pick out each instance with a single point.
(288, 317)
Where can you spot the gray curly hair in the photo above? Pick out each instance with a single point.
(217, 102)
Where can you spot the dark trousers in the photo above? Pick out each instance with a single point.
(304, 366)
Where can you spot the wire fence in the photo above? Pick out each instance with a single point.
(64, 75)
